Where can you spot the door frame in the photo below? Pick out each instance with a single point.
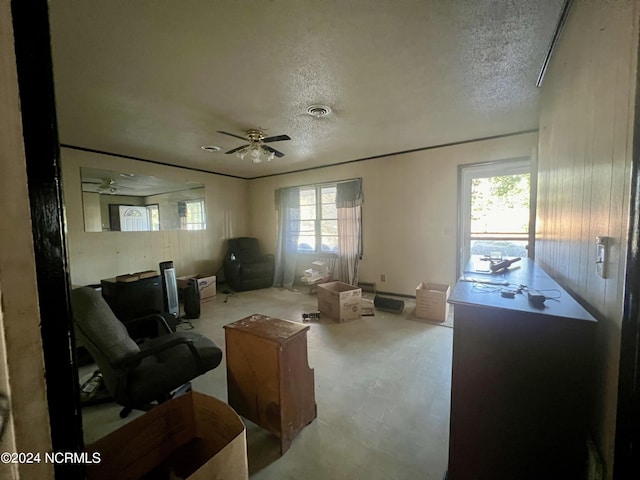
(627, 434)
(42, 158)
(466, 172)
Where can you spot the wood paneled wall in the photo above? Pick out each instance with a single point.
(586, 126)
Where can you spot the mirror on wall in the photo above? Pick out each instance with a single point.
(124, 202)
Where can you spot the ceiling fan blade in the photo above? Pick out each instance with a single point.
(277, 138)
(273, 150)
(233, 135)
(236, 149)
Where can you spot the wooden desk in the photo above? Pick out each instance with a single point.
(520, 386)
(268, 377)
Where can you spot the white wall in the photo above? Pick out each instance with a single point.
(94, 256)
(410, 209)
(585, 153)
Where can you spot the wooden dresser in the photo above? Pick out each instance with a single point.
(268, 377)
(521, 385)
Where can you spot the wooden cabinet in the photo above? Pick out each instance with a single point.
(521, 385)
(268, 377)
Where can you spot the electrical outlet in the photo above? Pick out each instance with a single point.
(383, 277)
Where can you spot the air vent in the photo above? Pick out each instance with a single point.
(318, 110)
(211, 148)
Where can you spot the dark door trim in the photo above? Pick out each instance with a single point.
(42, 152)
(627, 439)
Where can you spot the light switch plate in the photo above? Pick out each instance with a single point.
(602, 253)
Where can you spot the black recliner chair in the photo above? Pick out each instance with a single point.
(245, 268)
(137, 375)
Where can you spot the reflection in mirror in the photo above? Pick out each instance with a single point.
(114, 201)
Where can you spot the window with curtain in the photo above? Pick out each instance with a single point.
(349, 199)
(319, 219)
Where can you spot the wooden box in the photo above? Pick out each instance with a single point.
(268, 377)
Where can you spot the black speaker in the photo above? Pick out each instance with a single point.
(191, 299)
(388, 304)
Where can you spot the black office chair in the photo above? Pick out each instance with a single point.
(245, 268)
(138, 375)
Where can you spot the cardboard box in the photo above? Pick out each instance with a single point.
(195, 435)
(206, 284)
(431, 301)
(134, 277)
(339, 301)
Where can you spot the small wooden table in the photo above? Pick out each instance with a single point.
(268, 377)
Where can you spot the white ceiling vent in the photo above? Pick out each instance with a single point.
(211, 148)
(318, 110)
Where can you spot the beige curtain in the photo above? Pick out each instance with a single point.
(288, 212)
(349, 201)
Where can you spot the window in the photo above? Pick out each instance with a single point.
(322, 220)
(318, 220)
(153, 211)
(495, 210)
(191, 215)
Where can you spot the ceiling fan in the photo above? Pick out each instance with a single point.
(256, 146)
(107, 185)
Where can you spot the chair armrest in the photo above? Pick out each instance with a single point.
(134, 360)
(152, 316)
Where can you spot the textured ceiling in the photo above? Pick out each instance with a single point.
(157, 79)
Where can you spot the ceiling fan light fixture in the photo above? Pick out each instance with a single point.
(107, 189)
(255, 151)
(256, 148)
